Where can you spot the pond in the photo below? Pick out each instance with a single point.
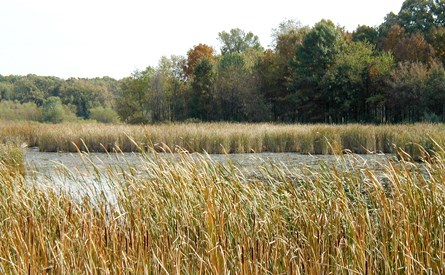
(94, 175)
(44, 163)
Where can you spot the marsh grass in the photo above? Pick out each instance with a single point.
(187, 214)
(223, 138)
(12, 159)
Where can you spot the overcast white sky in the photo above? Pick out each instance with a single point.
(89, 38)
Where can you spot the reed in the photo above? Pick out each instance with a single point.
(227, 137)
(11, 159)
(184, 213)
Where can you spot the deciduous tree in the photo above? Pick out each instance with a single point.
(194, 56)
(344, 83)
(201, 92)
(133, 104)
(275, 70)
(82, 94)
(417, 16)
(237, 41)
(312, 60)
(365, 33)
(437, 38)
(237, 92)
(414, 48)
(407, 97)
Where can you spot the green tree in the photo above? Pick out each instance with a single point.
(437, 38)
(274, 68)
(378, 78)
(285, 29)
(168, 97)
(365, 33)
(48, 85)
(6, 91)
(237, 41)
(158, 98)
(237, 93)
(133, 102)
(55, 112)
(407, 97)
(201, 90)
(312, 60)
(107, 89)
(83, 94)
(272, 83)
(417, 16)
(176, 86)
(25, 90)
(435, 91)
(345, 83)
(439, 12)
(391, 20)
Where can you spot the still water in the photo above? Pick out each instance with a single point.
(93, 176)
(41, 162)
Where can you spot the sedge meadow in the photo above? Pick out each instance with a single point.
(177, 209)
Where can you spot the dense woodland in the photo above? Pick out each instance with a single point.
(385, 74)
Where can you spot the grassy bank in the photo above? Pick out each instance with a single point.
(228, 137)
(189, 215)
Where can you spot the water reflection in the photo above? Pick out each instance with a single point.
(48, 163)
(100, 177)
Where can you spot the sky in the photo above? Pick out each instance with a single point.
(95, 38)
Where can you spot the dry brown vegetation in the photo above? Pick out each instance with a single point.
(228, 137)
(190, 215)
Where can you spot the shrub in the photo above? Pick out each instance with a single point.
(55, 112)
(11, 110)
(104, 115)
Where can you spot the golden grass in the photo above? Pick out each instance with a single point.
(186, 214)
(12, 158)
(228, 137)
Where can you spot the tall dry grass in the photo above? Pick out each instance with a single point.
(12, 158)
(228, 137)
(187, 214)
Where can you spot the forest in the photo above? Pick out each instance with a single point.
(391, 73)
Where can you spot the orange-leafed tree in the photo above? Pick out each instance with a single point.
(408, 47)
(414, 48)
(194, 56)
(395, 35)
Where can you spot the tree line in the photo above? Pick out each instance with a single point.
(386, 74)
